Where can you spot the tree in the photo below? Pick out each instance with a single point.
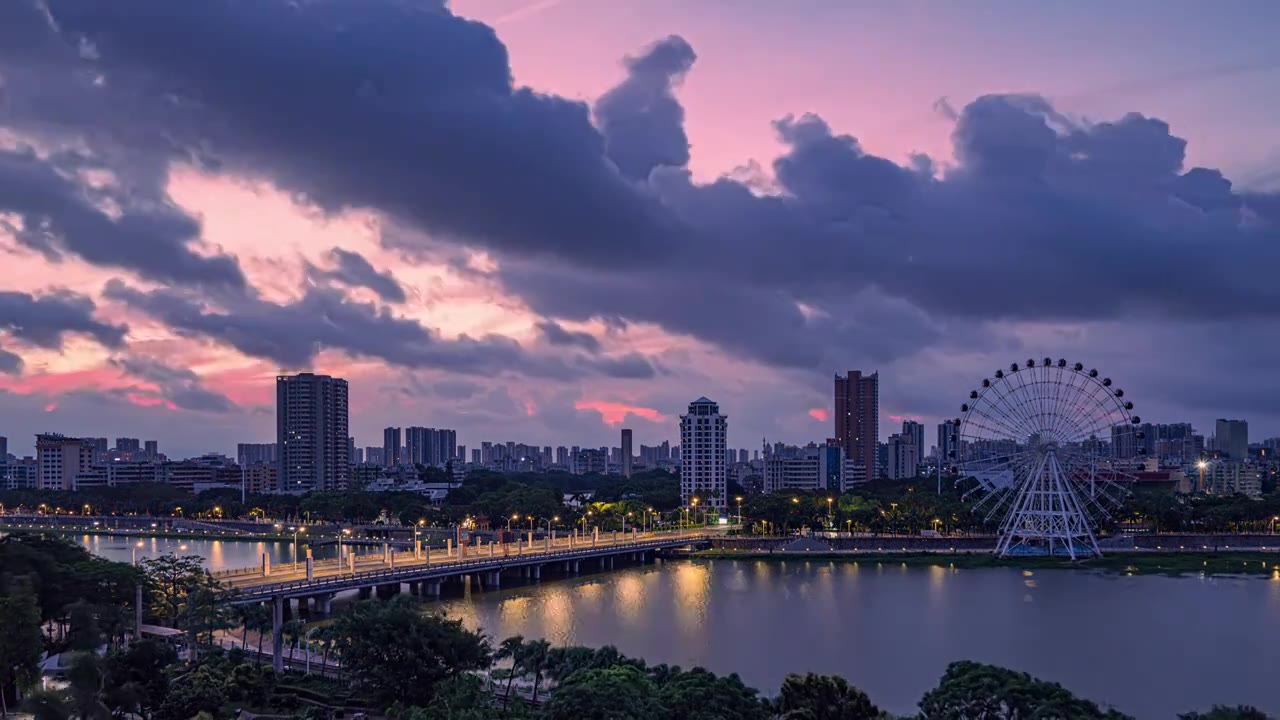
(135, 678)
(461, 697)
(698, 694)
(1222, 712)
(20, 642)
(511, 649)
(823, 697)
(397, 653)
(974, 690)
(620, 692)
(84, 677)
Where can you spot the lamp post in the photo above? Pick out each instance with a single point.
(345, 531)
(513, 517)
(647, 525)
(831, 518)
(135, 552)
(555, 518)
(1202, 465)
(296, 530)
(694, 502)
(739, 499)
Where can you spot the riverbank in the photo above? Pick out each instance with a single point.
(1146, 562)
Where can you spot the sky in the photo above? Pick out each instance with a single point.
(545, 220)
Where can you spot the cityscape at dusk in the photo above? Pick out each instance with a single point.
(865, 202)
(639, 359)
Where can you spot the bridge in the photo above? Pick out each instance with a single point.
(313, 584)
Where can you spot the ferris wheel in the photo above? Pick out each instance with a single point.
(1052, 449)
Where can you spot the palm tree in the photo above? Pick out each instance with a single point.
(536, 654)
(292, 631)
(512, 648)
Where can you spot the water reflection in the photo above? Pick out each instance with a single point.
(1120, 640)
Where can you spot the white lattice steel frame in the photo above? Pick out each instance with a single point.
(1053, 449)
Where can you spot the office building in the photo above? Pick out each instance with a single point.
(948, 443)
(857, 416)
(151, 449)
(590, 460)
(254, 453)
(1232, 438)
(915, 431)
(813, 467)
(60, 459)
(626, 452)
(101, 449)
(391, 446)
(703, 437)
(262, 478)
(475, 455)
(128, 449)
(312, 436)
(903, 460)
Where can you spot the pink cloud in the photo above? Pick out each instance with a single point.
(51, 407)
(819, 414)
(613, 413)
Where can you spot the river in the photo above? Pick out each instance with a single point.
(1151, 646)
(217, 554)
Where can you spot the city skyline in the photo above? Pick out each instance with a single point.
(923, 218)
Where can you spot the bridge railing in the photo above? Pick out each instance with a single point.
(390, 574)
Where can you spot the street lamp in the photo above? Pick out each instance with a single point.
(513, 517)
(1202, 465)
(345, 531)
(831, 519)
(296, 530)
(694, 502)
(647, 513)
(739, 499)
(555, 518)
(135, 552)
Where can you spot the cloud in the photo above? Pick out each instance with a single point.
(10, 363)
(556, 334)
(353, 270)
(844, 259)
(59, 213)
(292, 334)
(641, 120)
(179, 387)
(45, 320)
(615, 413)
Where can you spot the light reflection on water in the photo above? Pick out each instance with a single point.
(217, 554)
(1151, 646)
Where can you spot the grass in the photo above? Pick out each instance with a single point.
(1131, 563)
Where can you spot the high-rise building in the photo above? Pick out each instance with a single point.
(857, 417)
(1232, 438)
(391, 446)
(101, 449)
(703, 436)
(373, 455)
(312, 437)
(475, 455)
(915, 431)
(254, 453)
(128, 448)
(948, 443)
(903, 460)
(626, 452)
(60, 459)
(151, 448)
(4, 450)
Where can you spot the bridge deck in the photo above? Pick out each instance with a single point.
(329, 577)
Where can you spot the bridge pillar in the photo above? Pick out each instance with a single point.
(536, 572)
(277, 634)
(432, 588)
(287, 606)
(324, 604)
(311, 567)
(387, 590)
(266, 565)
(414, 589)
(495, 580)
(576, 566)
(364, 593)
